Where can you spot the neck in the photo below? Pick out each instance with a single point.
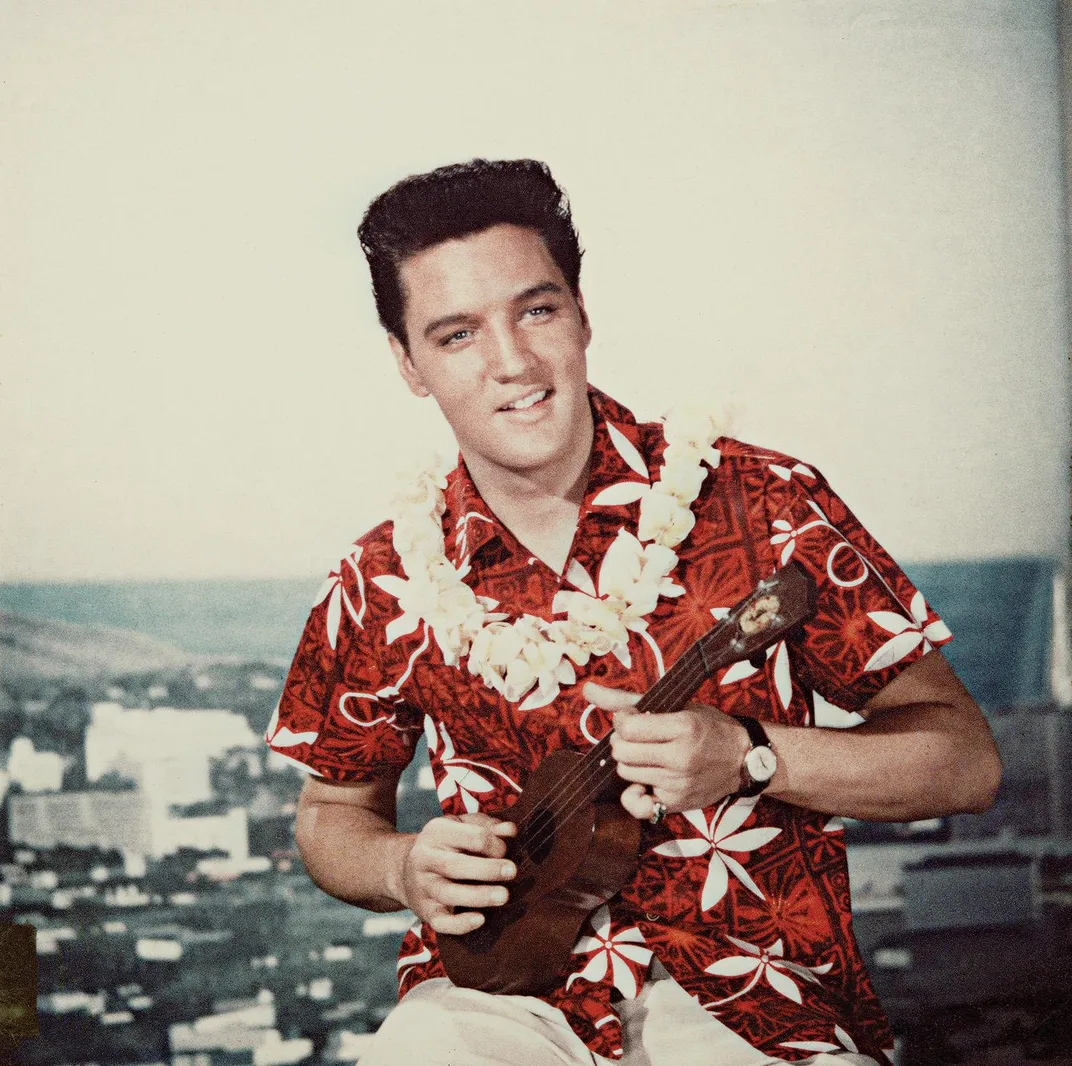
(564, 481)
(539, 506)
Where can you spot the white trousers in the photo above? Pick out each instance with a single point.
(438, 1024)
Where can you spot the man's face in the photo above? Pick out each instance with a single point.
(498, 339)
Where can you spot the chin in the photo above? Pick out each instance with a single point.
(528, 462)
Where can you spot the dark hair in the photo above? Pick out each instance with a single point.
(458, 200)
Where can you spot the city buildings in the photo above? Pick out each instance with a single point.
(166, 751)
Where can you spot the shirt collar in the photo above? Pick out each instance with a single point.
(617, 456)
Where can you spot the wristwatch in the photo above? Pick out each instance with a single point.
(760, 762)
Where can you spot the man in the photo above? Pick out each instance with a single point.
(520, 607)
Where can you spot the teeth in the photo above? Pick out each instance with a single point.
(528, 401)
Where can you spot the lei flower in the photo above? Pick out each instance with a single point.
(531, 656)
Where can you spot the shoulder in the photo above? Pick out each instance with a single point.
(376, 546)
(358, 598)
(771, 490)
(766, 462)
(371, 555)
(763, 474)
(737, 454)
(372, 552)
(756, 471)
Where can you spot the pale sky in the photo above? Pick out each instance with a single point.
(842, 218)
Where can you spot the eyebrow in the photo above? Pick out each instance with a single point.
(544, 287)
(551, 287)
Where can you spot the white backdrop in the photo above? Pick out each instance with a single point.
(842, 216)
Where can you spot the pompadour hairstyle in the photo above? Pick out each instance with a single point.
(455, 201)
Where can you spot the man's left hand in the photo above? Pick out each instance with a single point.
(686, 760)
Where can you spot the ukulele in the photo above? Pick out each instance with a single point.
(576, 846)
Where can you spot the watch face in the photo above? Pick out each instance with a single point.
(761, 763)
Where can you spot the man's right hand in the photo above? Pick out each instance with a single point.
(456, 863)
(347, 837)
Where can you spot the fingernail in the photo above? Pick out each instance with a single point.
(477, 919)
(507, 869)
(499, 895)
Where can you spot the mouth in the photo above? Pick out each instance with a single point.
(528, 401)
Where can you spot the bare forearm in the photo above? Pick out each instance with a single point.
(916, 761)
(353, 854)
(926, 750)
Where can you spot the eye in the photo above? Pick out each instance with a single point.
(455, 338)
(538, 312)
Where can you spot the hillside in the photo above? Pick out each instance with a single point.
(47, 649)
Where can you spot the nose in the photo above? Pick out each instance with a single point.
(508, 355)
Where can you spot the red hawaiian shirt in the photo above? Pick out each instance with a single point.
(745, 903)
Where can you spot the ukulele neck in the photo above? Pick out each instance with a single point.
(670, 693)
(774, 607)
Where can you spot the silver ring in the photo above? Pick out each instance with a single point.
(658, 812)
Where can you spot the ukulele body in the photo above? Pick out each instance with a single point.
(568, 865)
(576, 845)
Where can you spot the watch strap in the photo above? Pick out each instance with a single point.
(757, 737)
(756, 733)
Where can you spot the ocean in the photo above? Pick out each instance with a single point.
(255, 619)
(1000, 611)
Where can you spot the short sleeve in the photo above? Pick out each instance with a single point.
(870, 621)
(339, 714)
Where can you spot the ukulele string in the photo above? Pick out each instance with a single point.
(668, 683)
(600, 777)
(677, 685)
(587, 781)
(665, 685)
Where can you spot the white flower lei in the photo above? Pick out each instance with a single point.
(515, 658)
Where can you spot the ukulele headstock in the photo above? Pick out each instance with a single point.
(772, 609)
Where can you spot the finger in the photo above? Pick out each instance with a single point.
(475, 818)
(497, 825)
(452, 894)
(650, 728)
(652, 776)
(638, 801)
(457, 866)
(453, 834)
(635, 754)
(457, 924)
(610, 699)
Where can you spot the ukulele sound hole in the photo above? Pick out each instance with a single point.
(537, 836)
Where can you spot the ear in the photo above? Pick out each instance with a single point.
(410, 374)
(584, 319)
